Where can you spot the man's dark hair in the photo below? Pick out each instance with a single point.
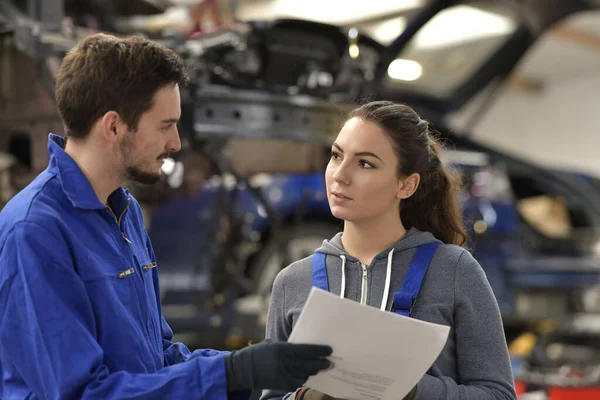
(104, 73)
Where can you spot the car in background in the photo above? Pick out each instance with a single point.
(533, 229)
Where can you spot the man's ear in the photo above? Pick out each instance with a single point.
(408, 186)
(112, 126)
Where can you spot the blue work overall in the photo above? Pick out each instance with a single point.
(405, 298)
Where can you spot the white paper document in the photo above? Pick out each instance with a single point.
(377, 354)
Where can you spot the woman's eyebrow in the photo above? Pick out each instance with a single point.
(361, 153)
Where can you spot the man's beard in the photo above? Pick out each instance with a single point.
(133, 173)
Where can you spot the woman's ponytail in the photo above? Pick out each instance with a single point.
(434, 207)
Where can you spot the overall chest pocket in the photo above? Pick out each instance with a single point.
(111, 279)
(114, 288)
(117, 294)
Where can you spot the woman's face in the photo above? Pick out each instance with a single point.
(361, 177)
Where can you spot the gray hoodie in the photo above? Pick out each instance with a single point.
(474, 364)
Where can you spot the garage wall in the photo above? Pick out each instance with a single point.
(558, 126)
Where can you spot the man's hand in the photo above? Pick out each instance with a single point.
(275, 365)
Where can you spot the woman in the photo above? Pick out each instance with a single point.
(386, 181)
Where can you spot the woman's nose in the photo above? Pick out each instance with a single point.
(341, 175)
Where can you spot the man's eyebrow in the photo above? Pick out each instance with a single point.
(360, 154)
(170, 121)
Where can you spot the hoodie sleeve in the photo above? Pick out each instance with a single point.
(279, 328)
(481, 352)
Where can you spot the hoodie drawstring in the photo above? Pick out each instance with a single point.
(343, 290)
(388, 279)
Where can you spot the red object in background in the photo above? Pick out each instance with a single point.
(557, 393)
(560, 393)
(520, 387)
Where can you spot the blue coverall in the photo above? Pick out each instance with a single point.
(79, 299)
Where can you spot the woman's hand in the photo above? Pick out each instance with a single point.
(312, 394)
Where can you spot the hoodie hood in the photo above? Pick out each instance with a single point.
(413, 238)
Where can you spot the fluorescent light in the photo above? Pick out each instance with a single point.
(354, 50)
(339, 13)
(461, 24)
(405, 70)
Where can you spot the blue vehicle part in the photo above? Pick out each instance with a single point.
(185, 232)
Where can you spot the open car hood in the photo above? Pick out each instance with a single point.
(430, 64)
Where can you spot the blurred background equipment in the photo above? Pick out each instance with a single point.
(508, 84)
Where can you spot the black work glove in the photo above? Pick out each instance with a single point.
(275, 365)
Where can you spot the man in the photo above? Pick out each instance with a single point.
(81, 314)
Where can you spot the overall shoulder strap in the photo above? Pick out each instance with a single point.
(406, 296)
(319, 272)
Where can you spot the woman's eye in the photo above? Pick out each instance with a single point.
(335, 155)
(366, 165)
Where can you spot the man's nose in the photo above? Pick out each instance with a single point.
(174, 144)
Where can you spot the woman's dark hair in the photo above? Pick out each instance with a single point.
(434, 206)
